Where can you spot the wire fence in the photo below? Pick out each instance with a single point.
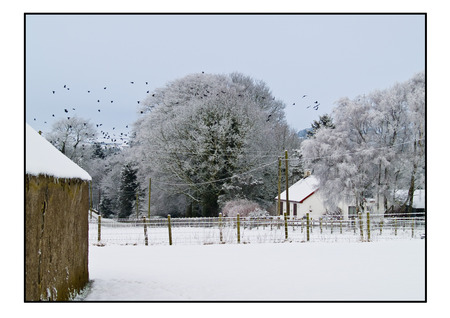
(235, 230)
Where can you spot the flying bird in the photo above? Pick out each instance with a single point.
(66, 110)
(73, 108)
(98, 100)
(293, 104)
(64, 86)
(53, 92)
(111, 101)
(304, 96)
(146, 83)
(132, 82)
(99, 110)
(53, 115)
(268, 117)
(104, 87)
(89, 91)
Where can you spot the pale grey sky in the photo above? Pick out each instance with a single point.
(323, 56)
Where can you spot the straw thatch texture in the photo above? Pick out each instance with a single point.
(56, 234)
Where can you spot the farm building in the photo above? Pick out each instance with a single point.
(304, 197)
(56, 222)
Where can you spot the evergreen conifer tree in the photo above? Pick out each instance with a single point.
(324, 121)
(106, 207)
(128, 188)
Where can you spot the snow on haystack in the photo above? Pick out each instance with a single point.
(43, 158)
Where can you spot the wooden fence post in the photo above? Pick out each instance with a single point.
(340, 225)
(145, 232)
(220, 228)
(99, 236)
(285, 226)
(361, 232)
(238, 225)
(170, 229)
(368, 227)
(395, 226)
(320, 224)
(307, 227)
(381, 226)
(331, 225)
(412, 228)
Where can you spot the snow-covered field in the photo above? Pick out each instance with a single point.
(386, 271)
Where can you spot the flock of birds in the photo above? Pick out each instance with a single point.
(123, 135)
(314, 105)
(107, 136)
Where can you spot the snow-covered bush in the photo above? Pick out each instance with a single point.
(258, 213)
(242, 207)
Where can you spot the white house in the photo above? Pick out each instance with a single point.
(304, 197)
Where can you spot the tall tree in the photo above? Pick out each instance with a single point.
(376, 148)
(324, 121)
(129, 188)
(200, 131)
(73, 136)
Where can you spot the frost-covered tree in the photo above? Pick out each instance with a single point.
(376, 147)
(73, 137)
(199, 132)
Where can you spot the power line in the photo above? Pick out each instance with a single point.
(214, 181)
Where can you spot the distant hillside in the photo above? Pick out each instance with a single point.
(302, 133)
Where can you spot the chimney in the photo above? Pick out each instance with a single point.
(307, 173)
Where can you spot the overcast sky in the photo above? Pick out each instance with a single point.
(325, 57)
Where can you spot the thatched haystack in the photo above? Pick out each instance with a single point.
(56, 222)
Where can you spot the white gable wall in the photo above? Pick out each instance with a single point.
(314, 205)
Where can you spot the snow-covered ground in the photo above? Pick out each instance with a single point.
(384, 271)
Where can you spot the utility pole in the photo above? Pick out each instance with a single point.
(279, 187)
(137, 206)
(149, 195)
(287, 183)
